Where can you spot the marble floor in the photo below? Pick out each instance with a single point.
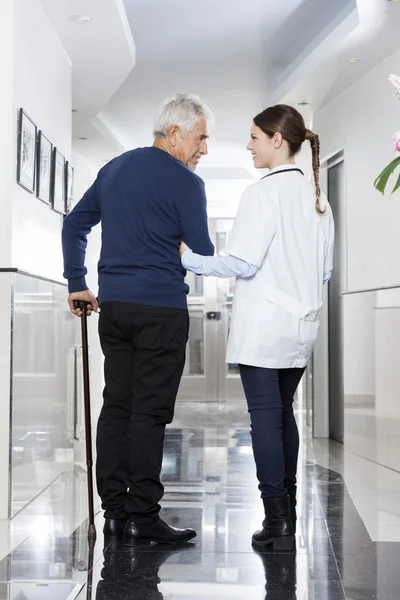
(348, 540)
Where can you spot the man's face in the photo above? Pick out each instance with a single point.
(193, 146)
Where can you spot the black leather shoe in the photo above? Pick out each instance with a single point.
(114, 528)
(292, 493)
(135, 533)
(277, 526)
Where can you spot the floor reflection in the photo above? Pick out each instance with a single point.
(209, 477)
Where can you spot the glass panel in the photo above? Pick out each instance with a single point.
(43, 334)
(195, 347)
(369, 335)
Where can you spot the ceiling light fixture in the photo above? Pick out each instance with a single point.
(353, 60)
(82, 19)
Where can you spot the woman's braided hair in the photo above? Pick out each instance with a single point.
(287, 121)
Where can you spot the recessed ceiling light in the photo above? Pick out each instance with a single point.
(353, 60)
(82, 18)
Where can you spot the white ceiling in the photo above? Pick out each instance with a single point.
(102, 54)
(374, 37)
(238, 56)
(231, 54)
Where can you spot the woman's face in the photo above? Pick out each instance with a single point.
(263, 147)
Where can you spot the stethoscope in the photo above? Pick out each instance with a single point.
(282, 171)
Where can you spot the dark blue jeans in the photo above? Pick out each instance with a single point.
(275, 437)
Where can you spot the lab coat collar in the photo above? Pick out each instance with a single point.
(284, 168)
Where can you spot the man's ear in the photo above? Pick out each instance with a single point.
(172, 135)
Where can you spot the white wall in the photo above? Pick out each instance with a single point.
(361, 122)
(36, 75)
(7, 125)
(42, 86)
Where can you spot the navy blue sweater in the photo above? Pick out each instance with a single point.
(147, 202)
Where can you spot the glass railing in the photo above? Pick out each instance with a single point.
(371, 363)
(43, 385)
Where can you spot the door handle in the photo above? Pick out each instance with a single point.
(214, 316)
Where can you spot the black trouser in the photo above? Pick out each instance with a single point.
(144, 349)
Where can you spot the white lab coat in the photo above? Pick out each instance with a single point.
(275, 313)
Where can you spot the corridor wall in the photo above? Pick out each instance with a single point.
(35, 72)
(361, 122)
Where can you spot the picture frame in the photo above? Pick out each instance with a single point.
(58, 203)
(69, 185)
(26, 152)
(44, 168)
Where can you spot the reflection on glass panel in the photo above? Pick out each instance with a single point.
(195, 347)
(195, 283)
(183, 456)
(43, 334)
(233, 368)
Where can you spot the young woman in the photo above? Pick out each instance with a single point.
(281, 249)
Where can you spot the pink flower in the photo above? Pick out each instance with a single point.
(396, 142)
(395, 80)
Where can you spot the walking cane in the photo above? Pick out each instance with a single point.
(88, 424)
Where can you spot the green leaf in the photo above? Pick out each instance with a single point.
(381, 181)
(397, 186)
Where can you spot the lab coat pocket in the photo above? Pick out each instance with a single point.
(295, 307)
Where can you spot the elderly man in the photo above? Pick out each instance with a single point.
(147, 200)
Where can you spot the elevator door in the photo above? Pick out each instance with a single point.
(206, 375)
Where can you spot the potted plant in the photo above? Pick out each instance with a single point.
(383, 178)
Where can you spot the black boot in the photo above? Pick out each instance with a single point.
(292, 492)
(277, 526)
(159, 531)
(113, 529)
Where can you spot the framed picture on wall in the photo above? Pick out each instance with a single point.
(43, 179)
(58, 182)
(69, 185)
(27, 148)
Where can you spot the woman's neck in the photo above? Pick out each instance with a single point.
(279, 162)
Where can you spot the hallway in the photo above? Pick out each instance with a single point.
(210, 485)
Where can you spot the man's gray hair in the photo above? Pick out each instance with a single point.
(183, 110)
